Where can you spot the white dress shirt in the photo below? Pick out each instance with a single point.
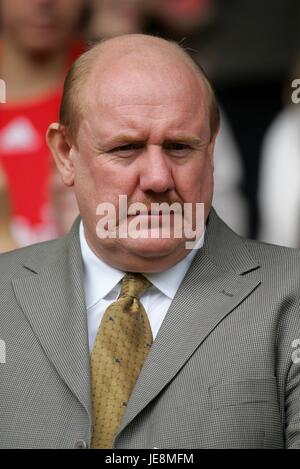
(102, 284)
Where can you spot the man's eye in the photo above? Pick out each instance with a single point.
(177, 147)
(127, 148)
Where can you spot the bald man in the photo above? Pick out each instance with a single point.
(152, 324)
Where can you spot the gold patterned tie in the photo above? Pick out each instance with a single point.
(122, 344)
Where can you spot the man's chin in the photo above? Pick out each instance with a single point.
(152, 247)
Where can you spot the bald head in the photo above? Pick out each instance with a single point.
(104, 61)
(141, 122)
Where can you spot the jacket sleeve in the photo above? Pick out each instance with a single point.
(288, 372)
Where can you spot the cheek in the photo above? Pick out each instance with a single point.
(102, 181)
(194, 182)
(69, 14)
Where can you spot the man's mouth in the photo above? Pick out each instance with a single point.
(151, 213)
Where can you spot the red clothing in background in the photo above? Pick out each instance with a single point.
(27, 163)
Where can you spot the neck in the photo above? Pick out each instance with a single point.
(26, 74)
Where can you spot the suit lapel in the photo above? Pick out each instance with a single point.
(52, 298)
(209, 292)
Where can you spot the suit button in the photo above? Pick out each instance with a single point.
(81, 444)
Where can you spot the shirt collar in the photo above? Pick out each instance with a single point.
(169, 281)
(100, 278)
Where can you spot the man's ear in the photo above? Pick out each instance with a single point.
(61, 150)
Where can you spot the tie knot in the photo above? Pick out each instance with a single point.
(134, 285)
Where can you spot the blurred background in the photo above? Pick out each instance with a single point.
(250, 50)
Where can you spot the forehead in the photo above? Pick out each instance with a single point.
(144, 85)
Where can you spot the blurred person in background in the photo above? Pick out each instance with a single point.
(279, 188)
(37, 46)
(189, 22)
(115, 17)
(7, 241)
(229, 199)
(251, 51)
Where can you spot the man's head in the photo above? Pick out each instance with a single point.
(138, 119)
(39, 25)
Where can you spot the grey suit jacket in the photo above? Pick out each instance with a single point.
(223, 371)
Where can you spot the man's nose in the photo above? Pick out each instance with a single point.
(156, 171)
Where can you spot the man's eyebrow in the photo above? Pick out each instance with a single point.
(126, 138)
(187, 139)
(123, 139)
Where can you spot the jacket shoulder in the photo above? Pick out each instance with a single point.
(279, 264)
(272, 253)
